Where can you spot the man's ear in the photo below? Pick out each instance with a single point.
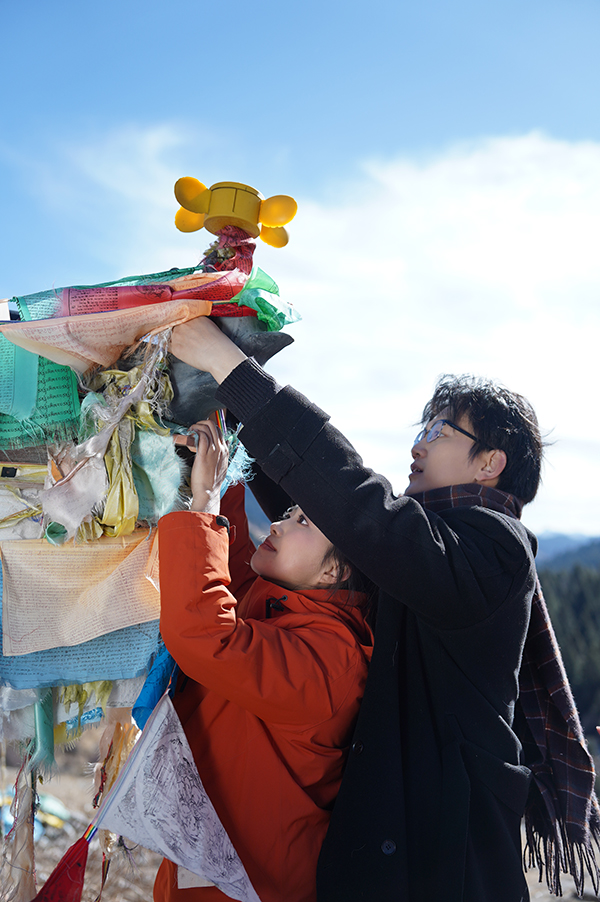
(494, 463)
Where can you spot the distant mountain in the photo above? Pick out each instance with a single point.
(558, 551)
(587, 555)
(552, 544)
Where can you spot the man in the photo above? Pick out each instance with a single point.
(435, 787)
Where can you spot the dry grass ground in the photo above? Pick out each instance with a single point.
(73, 786)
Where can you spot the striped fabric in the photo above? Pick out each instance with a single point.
(562, 815)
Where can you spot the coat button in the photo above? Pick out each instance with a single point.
(388, 847)
(357, 746)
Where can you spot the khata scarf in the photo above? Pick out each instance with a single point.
(562, 816)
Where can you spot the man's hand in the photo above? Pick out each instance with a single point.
(202, 344)
(210, 467)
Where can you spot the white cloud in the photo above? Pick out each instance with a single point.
(129, 176)
(482, 258)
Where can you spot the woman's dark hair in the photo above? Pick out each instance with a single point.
(500, 419)
(362, 591)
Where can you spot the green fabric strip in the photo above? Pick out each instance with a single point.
(55, 415)
(261, 293)
(43, 744)
(18, 380)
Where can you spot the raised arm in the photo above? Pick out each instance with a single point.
(447, 569)
(285, 675)
(208, 472)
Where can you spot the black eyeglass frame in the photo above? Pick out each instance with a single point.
(425, 433)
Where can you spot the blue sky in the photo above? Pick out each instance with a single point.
(446, 161)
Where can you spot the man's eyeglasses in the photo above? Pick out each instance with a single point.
(430, 435)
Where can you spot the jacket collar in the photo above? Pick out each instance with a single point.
(309, 602)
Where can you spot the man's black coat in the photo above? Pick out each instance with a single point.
(432, 797)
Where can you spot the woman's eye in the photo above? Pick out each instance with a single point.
(302, 519)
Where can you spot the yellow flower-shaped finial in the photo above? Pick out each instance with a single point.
(231, 203)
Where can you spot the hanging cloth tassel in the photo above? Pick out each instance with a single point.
(42, 746)
(18, 867)
(105, 867)
(116, 743)
(121, 505)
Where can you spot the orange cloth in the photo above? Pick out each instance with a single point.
(270, 703)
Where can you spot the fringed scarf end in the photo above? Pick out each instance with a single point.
(556, 854)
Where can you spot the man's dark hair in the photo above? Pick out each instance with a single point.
(500, 419)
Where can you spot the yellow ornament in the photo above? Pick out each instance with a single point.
(231, 203)
(191, 194)
(278, 210)
(277, 237)
(187, 221)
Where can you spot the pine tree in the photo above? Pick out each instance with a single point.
(573, 599)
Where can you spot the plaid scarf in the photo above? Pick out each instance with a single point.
(562, 816)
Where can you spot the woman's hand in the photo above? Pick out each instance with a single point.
(210, 467)
(202, 344)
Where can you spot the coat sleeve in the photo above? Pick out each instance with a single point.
(282, 675)
(452, 574)
(273, 500)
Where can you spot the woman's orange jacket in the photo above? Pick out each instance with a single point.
(268, 702)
